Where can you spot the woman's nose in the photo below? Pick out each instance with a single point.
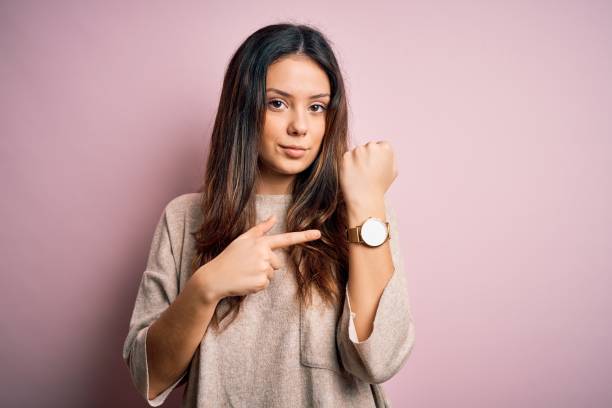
(299, 124)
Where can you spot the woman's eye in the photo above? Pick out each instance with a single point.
(275, 101)
(277, 104)
(321, 106)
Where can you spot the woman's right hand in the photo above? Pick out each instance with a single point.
(248, 263)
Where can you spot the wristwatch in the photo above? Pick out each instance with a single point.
(372, 233)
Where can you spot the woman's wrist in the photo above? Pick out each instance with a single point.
(204, 287)
(358, 212)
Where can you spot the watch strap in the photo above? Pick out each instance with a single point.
(353, 235)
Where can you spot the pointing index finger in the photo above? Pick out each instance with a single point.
(291, 238)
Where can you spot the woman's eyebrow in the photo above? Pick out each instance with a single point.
(288, 95)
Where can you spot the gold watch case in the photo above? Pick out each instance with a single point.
(372, 233)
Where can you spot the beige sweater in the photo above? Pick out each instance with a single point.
(305, 357)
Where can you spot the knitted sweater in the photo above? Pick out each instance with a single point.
(276, 353)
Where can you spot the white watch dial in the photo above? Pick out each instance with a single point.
(373, 232)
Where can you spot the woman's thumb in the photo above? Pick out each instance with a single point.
(263, 227)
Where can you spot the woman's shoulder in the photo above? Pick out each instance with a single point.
(183, 208)
(184, 202)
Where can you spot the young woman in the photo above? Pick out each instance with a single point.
(280, 283)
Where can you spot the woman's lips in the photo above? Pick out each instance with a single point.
(293, 153)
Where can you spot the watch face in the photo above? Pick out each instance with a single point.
(373, 232)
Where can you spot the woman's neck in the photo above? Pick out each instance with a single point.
(274, 184)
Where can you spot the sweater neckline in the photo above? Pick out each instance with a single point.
(273, 198)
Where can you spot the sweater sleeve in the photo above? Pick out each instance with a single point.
(157, 290)
(380, 356)
(352, 331)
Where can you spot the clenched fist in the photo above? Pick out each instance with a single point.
(367, 171)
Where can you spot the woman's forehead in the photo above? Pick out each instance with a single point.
(297, 77)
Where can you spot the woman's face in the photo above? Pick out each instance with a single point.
(297, 97)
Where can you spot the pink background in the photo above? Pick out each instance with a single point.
(499, 113)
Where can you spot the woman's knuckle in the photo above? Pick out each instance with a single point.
(263, 282)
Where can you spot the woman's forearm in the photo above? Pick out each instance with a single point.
(369, 269)
(174, 337)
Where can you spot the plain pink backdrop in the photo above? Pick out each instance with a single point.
(499, 114)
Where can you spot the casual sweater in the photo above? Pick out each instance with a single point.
(276, 353)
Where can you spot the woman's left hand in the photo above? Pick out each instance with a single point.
(367, 171)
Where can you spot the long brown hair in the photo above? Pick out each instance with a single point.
(228, 190)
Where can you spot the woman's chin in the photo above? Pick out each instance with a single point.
(285, 166)
(291, 168)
